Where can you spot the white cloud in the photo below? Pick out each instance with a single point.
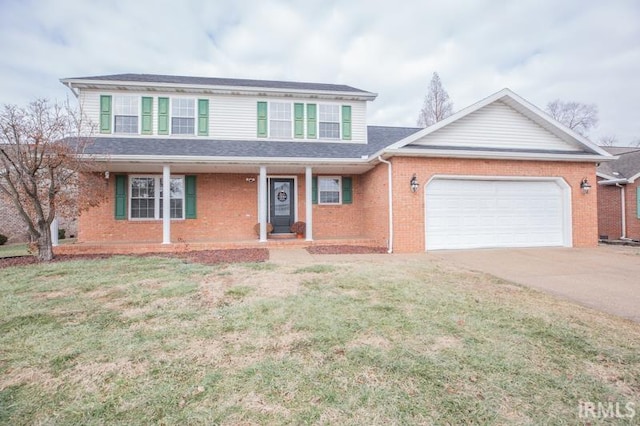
(573, 50)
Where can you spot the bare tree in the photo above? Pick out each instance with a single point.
(41, 146)
(437, 105)
(608, 140)
(575, 115)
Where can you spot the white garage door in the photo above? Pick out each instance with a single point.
(494, 213)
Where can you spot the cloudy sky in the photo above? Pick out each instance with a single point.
(582, 50)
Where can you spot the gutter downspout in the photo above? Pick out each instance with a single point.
(389, 169)
(623, 211)
(73, 90)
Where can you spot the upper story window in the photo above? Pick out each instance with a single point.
(329, 121)
(280, 120)
(183, 116)
(125, 114)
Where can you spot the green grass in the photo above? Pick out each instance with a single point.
(154, 340)
(9, 250)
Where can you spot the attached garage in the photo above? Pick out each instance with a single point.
(463, 213)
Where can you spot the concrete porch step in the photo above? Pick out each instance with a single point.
(282, 236)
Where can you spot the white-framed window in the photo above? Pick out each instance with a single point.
(125, 114)
(145, 197)
(183, 116)
(329, 121)
(329, 189)
(280, 122)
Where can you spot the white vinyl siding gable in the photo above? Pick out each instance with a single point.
(496, 126)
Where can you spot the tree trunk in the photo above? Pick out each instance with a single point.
(45, 248)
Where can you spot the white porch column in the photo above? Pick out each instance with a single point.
(308, 188)
(166, 204)
(262, 203)
(54, 232)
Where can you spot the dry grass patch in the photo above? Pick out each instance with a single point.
(123, 339)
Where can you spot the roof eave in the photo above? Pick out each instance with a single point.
(499, 155)
(197, 159)
(110, 84)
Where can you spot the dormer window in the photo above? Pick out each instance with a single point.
(329, 121)
(183, 116)
(280, 120)
(125, 114)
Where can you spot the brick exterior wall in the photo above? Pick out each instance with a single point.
(227, 210)
(12, 225)
(633, 222)
(609, 212)
(409, 207)
(227, 205)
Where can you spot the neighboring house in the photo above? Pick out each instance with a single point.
(619, 195)
(500, 173)
(12, 225)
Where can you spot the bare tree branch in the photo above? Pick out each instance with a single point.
(40, 152)
(437, 105)
(577, 116)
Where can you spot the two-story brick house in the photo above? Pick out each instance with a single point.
(499, 173)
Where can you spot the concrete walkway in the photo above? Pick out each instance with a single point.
(605, 278)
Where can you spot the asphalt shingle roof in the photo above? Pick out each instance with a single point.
(379, 138)
(626, 166)
(231, 82)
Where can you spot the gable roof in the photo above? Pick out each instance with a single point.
(141, 80)
(570, 145)
(625, 169)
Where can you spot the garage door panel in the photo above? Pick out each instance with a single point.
(499, 213)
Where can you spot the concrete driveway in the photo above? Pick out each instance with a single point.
(605, 278)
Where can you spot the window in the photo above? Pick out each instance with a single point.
(329, 122)
(146, 197)
(329, 190)
(280, 120)
(176, 201)
(125, 114)
(183, 116)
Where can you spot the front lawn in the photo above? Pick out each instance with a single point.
(131, 340)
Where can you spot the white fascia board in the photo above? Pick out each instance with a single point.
(539, 116)
(79, 83)
(497, 155)
(192, 159)
(634, 177)
(610, 182)
(605, 176)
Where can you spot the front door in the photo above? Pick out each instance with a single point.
(282, 207)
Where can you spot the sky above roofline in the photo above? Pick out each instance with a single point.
(586, 51)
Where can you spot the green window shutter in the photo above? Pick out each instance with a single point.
(314, 190)
(190, 197)
(262, 119)
(346, 122)
(311, 121)
(298, 116)
(347, 192)
(203, 117)
(163, 116)
(121, 197)
(638, 202)
(147, 115)
(105, 113)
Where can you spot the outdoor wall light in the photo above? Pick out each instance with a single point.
(414, 183)
(585, 186)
